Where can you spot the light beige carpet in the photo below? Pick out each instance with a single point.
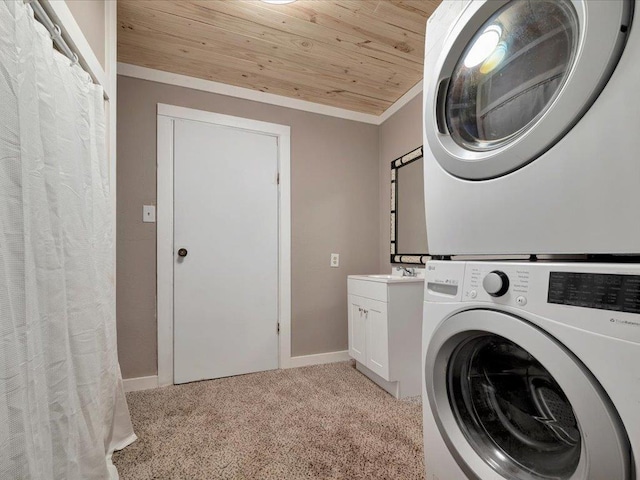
(320, 422)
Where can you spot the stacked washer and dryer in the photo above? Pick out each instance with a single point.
(532, 148)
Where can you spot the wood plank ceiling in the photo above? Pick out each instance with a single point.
(361, 55)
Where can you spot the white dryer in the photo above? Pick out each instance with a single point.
(532, 127)
(531, 371)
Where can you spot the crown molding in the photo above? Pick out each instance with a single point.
(401, 102)
(153, 75)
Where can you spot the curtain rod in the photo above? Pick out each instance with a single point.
(54, 30)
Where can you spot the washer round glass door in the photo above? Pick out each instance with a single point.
(508, 398)
(515, 76)
(504, 400)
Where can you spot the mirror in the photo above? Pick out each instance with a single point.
(408, 225)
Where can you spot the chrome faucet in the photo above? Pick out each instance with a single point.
(408, 272)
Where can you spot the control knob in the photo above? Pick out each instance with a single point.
(496, 283)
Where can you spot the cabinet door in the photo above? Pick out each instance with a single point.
(377, 349)
(357, 329)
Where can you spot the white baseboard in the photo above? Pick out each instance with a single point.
(140, 383)
(146, 383)
(317, 359)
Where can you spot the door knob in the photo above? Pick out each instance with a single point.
(182, 252)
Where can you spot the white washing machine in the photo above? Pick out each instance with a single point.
(531, 371)
(532, 127)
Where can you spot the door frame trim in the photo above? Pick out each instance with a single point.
(166, 116)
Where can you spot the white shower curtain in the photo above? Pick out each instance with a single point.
(62, 406)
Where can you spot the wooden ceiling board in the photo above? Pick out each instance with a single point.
(318, 33)
(361, 55)
(241, 78)
(404, 14)
(273, 49)
(184, 65)
(250, 74)
(374, 32)
(427, 7)
(238, 17)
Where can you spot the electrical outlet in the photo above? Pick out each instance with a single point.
(335, 260)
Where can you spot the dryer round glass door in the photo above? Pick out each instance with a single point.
(515, 76)
(509, 399)
(510, 72)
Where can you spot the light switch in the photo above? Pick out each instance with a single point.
(149, 213)
(335, 260)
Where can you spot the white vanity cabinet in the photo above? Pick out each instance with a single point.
(368, 334)
(385, 330)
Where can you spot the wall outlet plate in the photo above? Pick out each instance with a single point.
(149, 213)
(335, 260)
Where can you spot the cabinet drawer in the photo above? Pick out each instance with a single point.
(363, 288)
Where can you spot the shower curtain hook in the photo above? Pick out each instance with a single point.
(75, 59)
(57, 32)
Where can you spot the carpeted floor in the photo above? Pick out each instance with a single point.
(320, 422)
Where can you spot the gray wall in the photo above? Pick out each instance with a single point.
(335, 192)
(400, 134)
(90, 16)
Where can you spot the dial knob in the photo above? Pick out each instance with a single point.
(496, 283)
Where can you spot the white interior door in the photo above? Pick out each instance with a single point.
(226, 218)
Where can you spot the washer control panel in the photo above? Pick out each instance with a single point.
(602, 298)
(508, 284)
(604, 291)
(443, 281)
(476, 281)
